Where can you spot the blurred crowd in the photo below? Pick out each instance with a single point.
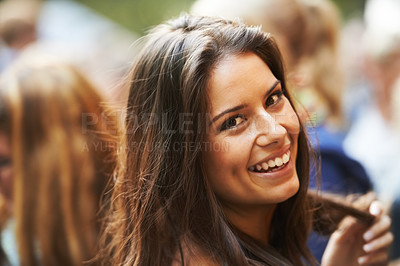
(62, 88)
(70, 32)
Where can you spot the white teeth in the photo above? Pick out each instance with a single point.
(264, 166)
(278, 161)
(271, 163)
(285, 158)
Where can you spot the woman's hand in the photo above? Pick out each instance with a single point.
(354, 243)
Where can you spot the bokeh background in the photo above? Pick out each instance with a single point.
(139, 15)
(102, 37)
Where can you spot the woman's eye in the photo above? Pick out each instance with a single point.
(232, 122)
(274, 98)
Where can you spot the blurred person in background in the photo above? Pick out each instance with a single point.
(376, 120)
(57, 152)
(308, 33)
(319, 83)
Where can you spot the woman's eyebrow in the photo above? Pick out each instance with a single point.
(272, 88)
(236, 108)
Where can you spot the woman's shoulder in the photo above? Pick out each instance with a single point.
(192, 255)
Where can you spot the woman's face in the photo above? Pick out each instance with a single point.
(251, 156)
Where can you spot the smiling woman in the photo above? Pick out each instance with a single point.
(245, 204)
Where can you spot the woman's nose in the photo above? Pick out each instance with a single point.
(269, 130)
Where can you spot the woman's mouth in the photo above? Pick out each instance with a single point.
(271, 165)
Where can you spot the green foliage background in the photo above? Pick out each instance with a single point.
(140, 15)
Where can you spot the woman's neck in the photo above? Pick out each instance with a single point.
(253, 221)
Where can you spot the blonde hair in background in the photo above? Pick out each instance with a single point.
(323, 22)
(63, 143)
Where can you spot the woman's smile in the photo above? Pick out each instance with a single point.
(271, 163)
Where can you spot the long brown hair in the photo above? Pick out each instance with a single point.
(161, 197)
(63, 143)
